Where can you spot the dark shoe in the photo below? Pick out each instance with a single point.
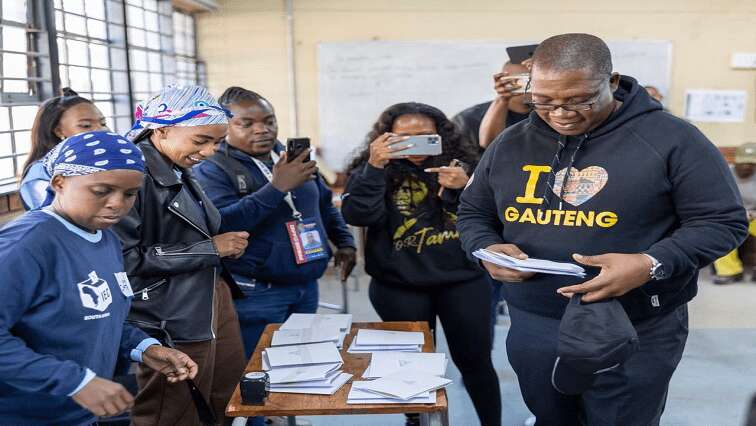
(730, 279)
(412, 419)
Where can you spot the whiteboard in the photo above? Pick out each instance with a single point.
(358, 80)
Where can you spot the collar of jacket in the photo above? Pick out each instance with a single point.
(182, 204)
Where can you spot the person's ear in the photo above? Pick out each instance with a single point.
(58, 133)
(57, 183)
(614, 81)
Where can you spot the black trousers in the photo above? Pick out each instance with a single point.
(465, 313)
(633, 394)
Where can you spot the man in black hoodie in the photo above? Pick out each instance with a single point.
(599, 173)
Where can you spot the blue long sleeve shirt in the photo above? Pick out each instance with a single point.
(263, 213)
(64, 297)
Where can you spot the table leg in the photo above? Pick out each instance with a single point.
(435, 418)
(292, 420)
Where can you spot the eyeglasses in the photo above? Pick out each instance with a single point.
(537, 106)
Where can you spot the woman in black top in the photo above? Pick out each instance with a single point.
(413, 254)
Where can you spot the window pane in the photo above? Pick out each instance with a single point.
(62, 52)
(151, 21)
(79, 79)
(59, 20)
(14, 65)
(150, 4)
(101, 81)
(14, 10)
(95, 8)
(135, 16)
(153, 40)
(63, 71)
(23, 116)
(6, 168)
(6, 148)
(118, 56)
(153, 61)
(98, 53)
(75, 6)
(97, 29)
(4, 118)
(77, 52)
(156, 82)
(23, 143)
(14, 38)
(75, 24)
(106, 108)
(120, 82)
(138, 60)
(20, 161)
(136, 37)
(140, 81)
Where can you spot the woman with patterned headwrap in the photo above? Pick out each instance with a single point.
(62, 313)
(172, 252)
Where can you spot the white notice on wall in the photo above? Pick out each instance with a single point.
(722, 106)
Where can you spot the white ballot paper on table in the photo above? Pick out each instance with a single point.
(335, 386)
(405, 384)
(315, 353)
(298, 336)
(356, 349)
(366, 337)
(530, 265)
(327, 382)
(342, 321)
(357, 395)
(301, 373)
(387, 363)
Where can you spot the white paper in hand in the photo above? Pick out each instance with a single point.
(530, 265)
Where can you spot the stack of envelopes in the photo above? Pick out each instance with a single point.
(308, 368)
(367, 341)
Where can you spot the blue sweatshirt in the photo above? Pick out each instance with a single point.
(643, 181)
(62, 312)
(263, 213)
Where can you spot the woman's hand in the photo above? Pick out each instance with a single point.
(450, 177)
(382, 150)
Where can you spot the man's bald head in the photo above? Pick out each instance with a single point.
(572, 52)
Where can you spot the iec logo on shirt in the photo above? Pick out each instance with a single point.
(95, 294)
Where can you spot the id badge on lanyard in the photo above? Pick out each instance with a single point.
(304, 233)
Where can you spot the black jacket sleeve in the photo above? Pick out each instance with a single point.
(477, 221)
(170, 258)
(712, 218)
(336, 228)
(363, 201)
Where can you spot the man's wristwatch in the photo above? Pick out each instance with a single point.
(657, 269)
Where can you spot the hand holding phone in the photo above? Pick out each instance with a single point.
(295, 147)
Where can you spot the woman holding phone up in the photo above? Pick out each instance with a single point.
(413, 254)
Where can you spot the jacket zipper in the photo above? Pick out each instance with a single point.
(176, 212)
(181, 252)
(152, 287)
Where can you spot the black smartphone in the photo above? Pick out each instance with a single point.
(517, 54)
(295, 147)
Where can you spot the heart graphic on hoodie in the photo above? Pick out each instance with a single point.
(583, 184)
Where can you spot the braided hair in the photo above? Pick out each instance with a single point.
(236, 94)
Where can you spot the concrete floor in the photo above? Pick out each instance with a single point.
(712, 386)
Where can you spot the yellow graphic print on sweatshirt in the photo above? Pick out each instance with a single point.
(411, 200)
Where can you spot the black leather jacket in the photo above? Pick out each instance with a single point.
(169, 255)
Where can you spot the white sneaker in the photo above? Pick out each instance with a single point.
(530, 421)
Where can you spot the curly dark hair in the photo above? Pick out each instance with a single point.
(454, 147)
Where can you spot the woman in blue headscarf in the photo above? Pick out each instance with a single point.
(172, 251)
(62, 313)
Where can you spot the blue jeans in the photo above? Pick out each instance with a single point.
(266, 303)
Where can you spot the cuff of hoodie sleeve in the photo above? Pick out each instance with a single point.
(269, 195)
(371, 172)
(88, 376)
(662, 256)
(136, 353)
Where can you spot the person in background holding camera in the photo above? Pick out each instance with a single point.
(57, 119)
(260, 190)
(173, 253)
(508, 108)
(413, 253)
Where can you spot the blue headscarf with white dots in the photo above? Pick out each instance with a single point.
(91, 152)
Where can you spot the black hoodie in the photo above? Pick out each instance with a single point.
(644, 181)
(412, 238)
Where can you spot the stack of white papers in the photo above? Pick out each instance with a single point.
(324, 323)
(387, 363)
(387, 340)
(403, 387)
(530, 265)
(310, 368)
(298, 336)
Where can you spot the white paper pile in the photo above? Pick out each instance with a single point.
(310, 368)
(403, 387)
(387, 363)
(320, 324)
(530, 265)
(387, 340)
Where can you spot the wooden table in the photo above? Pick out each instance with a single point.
(292, 404)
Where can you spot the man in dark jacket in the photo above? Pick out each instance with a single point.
(277, 202)
(600, 174)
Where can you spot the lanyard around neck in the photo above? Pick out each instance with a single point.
(296, 214)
